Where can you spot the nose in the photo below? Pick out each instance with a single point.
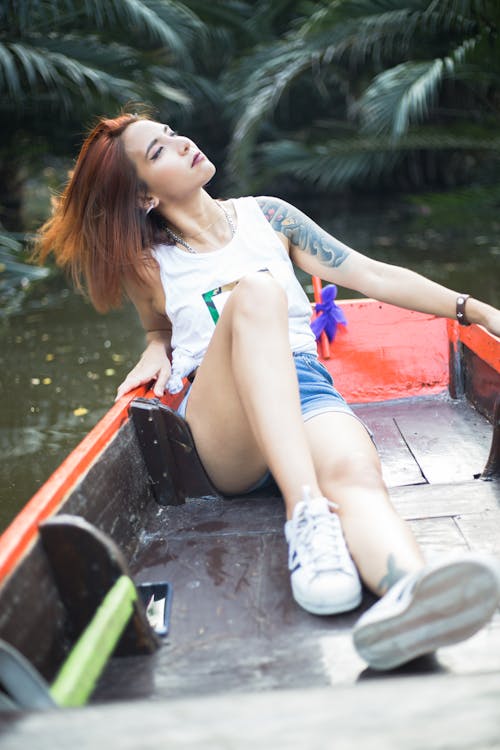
(183, 144)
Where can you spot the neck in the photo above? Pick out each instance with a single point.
(194, 218)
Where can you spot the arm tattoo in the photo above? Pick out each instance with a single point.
(302, 232)
(392, 576)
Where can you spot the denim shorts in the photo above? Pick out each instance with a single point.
(318, 395)
(316, 389)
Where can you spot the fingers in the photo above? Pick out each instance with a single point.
(161, 381)
(153, 365)
(129, 384)
(135, 379)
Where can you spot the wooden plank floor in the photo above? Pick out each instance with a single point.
(236, 631)
(234, 623)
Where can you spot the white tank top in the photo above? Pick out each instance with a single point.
(197, 286)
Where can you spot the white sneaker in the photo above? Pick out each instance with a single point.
(323, 576)
(443, 603)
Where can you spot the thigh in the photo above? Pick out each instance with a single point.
(215, 414)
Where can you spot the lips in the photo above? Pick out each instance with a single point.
(197, 157)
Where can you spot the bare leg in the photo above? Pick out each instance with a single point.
(244, 412)
(349, 473)
(244, 408)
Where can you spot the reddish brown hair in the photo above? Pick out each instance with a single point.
(99, 231)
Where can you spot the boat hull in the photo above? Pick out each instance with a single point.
(386, 355)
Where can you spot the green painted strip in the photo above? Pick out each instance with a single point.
(88, 657)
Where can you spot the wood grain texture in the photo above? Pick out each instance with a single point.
(433, 712)
(234, 624)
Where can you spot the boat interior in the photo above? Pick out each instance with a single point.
(233, 623)
(239, 661)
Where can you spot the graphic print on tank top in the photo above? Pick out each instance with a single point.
(215, 299)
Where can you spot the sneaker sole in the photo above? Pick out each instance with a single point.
(448, 605)
(328, 608)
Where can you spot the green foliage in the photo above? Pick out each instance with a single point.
(62, 54)
(412, 74)
(329, 94)
(64, 61)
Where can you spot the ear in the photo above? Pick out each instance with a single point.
(150, 202)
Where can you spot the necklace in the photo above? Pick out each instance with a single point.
(181, 241)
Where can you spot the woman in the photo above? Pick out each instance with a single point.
(214, 287)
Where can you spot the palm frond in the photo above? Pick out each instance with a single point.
(65, 76)
(9, 74)
(163, 23)
(409, 88)
(158, 20)
(185, 85)
(461, 8)
(264, 90)
(352, 31)
(89, 50)
(405, 93)
(340, 162)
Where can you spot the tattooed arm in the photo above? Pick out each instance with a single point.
(318, 253)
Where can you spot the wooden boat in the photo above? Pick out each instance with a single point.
(133, 500)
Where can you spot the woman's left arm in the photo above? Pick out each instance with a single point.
(320, 254)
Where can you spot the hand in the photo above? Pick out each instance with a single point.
(153, 365)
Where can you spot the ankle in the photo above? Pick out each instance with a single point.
(307, 492)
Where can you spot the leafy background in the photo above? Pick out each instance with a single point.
(349, 96)
(358, 111)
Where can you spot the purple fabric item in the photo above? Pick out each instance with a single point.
(329, 314)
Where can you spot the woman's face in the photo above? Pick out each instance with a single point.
(171, 165)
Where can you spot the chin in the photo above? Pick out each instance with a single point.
(210, 169)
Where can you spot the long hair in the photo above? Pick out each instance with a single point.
(99, 231)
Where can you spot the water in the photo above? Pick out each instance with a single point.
(62, 362)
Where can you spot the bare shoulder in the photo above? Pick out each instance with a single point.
(286, 219)
(276, 210)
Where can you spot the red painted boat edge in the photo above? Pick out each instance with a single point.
(482, 343)
(358, 384)
(371, 361)
(20, 534)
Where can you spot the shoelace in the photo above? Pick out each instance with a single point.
(321, 538)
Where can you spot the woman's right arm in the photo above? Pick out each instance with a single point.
(154, 363)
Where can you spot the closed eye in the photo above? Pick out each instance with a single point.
(157, 153)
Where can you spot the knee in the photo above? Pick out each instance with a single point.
(354, 473)
(259, 295)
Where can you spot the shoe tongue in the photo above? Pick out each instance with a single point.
(318, 506)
